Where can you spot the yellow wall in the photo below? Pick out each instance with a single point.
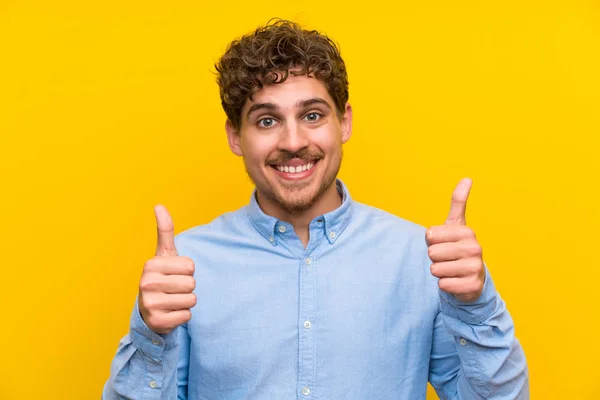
(109, 108)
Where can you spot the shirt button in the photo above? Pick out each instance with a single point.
(463, 342)
(271, 239)
(307, 324)
(155, 342)
(305, 391)
(332, 235)
(153, 384)
(282, 228)
(308, 261)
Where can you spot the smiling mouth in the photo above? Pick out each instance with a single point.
(295, 169)
(291, 169)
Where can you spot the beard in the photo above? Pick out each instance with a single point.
(295, 199)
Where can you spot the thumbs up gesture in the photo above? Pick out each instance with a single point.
(455, 252)
(167, 283)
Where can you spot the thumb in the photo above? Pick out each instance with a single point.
(458, 206)
(165, 244)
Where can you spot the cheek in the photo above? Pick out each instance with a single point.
(256, 151)
(328, 137)
(329, 143)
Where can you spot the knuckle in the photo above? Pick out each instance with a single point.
(468, 232)
(191, 284)
(146, 284)
(478, 265)
(443, 284)
(475, 286)
(429, 234)
(149, 283)
(193, 300)
(149, 265)
(474, 248)
(155, 321)
(150, 303)
(431, 252)
(187, 315)
(473, 267)
(189, 265)
(433, 269)
(155, 264)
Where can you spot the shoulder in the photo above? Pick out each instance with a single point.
(229, 224)
(388, 231)
(385, 221)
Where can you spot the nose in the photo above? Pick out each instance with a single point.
(293, 138)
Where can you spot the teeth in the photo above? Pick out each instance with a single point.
(295, 170)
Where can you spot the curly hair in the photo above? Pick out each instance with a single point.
(268, 55)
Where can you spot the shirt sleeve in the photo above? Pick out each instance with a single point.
(146, 364)
(475, 354)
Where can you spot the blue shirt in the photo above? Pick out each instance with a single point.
(354, 315)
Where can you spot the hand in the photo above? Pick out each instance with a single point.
(455, 252)
(167, 284)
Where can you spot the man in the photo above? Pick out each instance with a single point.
(305, 293)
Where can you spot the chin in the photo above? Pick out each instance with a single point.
(296, 199)
(295, 207)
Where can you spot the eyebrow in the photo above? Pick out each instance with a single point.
(310, 102)
(299, 104)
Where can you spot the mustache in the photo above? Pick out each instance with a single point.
(303, 154)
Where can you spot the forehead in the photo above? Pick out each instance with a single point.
(287, 94)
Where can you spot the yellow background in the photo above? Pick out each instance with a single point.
(107, 108)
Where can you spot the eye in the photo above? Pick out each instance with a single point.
(266, 122)
(312, 117)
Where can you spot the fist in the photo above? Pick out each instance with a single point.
(455, 251)
(167, 283)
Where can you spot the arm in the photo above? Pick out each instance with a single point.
(475, 354)
(146, 364)
(480, 358)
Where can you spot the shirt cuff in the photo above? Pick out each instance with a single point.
(473, 312)
(148, 341)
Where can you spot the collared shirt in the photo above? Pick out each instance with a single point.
(354, 315)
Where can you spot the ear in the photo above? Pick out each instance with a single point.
(233, 138)
(346, 123)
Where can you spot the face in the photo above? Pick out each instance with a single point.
(291, 140)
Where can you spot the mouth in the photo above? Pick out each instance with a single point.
(295, 169)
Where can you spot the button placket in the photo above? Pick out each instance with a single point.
(307, 312)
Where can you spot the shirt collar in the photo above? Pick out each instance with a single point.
(333, 223)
